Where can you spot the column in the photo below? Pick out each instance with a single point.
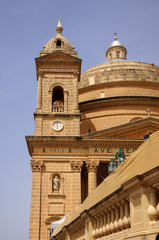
(92, 167)
(76, 182)
(39, 95)
(35, 210)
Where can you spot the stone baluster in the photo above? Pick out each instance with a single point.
(126, 221)
(108, 222)
(157, 208)
(97, 229)
(157, 189)
(104, 224)
(94, 227)
(100, 225)
(120, 222)
(152, 212)
(111, 220)
(116, 222)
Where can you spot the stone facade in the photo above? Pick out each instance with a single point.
(80, 123)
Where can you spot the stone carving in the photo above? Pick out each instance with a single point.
(37, 165)
(56, 184)
(92, 165)
(40, 74)
(76, 165)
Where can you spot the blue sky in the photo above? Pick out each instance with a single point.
(26, 26)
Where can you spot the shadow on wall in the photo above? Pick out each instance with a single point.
(87, 127)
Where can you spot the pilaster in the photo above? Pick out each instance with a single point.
(39, 95)
(35, 211)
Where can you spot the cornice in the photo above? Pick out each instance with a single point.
(128, 128)
(53, 115)
(57, 142)
(129, 83)
(118, 101)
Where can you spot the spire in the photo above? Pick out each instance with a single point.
(59, 27)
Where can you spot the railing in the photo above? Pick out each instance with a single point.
(78, 232)
(111, 220)
(57, 108)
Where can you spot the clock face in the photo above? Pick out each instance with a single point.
(57, 125)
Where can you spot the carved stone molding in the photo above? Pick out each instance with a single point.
(75, 74)
(76, 165)
(40, 74)
(37, 165)
(92, 165)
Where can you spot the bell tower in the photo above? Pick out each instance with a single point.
(58, 72)
(56, 172)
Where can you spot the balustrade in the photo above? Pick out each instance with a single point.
(114, 219)
(56, 108)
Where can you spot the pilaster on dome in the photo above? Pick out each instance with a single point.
(116, 50)
(59, 43)
(59, 27)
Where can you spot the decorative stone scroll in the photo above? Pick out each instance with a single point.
(76, 165)
(92, 165)
(37, 165)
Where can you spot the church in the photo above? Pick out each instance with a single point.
(94, 150)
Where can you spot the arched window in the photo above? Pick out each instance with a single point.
(58, 43)
(58, 99)
(117, 54)
(157, 236)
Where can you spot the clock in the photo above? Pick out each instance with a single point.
(57, 125)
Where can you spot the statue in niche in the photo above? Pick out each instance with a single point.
(56, 184)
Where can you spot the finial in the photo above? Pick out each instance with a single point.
(115, 36)
(59, 27)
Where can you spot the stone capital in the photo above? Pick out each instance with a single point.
(40, 74)
(92, 165)
(37, 166)
(76, 165)
(75, 74)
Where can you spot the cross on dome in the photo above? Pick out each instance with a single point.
(115, 36)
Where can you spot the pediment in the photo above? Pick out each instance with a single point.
(136, 130)
(58, 56)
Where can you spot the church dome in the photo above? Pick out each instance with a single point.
(116, 42)
(59, 43)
